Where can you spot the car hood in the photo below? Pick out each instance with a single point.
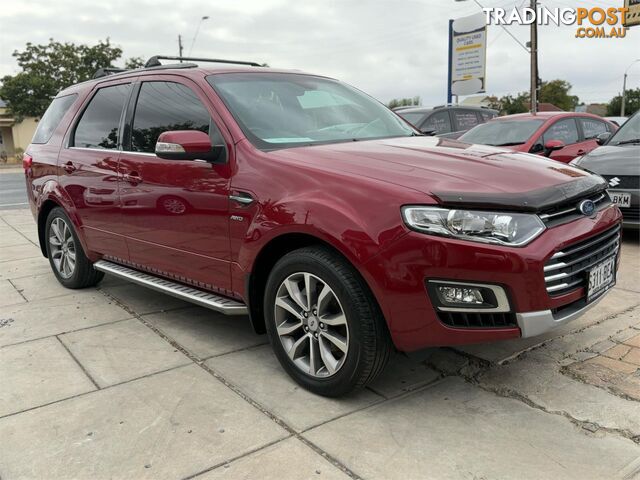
(613, 160)
(453, 172)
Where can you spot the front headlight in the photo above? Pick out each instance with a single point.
(514, 229)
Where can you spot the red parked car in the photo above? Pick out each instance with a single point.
(561, 136)
(341, 231)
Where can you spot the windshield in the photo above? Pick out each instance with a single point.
(502, 132)
(628, 132)
(277, 110)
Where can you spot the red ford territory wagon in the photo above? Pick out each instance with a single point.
(302, 202)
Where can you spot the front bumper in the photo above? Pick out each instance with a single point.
(399, 274)
(532, 324)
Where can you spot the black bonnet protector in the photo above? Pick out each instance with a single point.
(532, 201)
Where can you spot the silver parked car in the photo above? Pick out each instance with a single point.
(618, 161)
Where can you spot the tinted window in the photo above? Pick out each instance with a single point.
(98, 127)
(52, 117)
(412, 118)
(591, 128)
(465, 119)
(564, 130)
(439, 122)
(486, 116)
(502, 132)
(164, 106)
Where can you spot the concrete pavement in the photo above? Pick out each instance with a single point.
(12, 188)
(122, 382)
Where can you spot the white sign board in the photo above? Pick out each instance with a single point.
(468, 53)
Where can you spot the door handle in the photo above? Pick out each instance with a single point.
(243, 198)
(69, 167)
(581, 152)
(133, 178)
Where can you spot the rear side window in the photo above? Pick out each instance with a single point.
(486, 116)
(565, 130)
(52, 117)
(164, 106)
(465, 119)
(591, 128)
(98, 127)
(438, 122)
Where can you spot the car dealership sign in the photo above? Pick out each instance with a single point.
(467, 55)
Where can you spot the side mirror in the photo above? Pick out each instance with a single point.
(603, 137)
(428, 131)
(188, 145)
(552, 146)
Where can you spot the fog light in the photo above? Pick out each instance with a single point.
(457, 295)
(467, 297)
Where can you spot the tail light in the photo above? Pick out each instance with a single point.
(27, 161)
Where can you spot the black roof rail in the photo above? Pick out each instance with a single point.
(155, 61)
(103, 72)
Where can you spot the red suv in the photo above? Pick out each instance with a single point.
(561, 136)
(340, 230)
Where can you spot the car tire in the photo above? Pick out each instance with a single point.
(311, 349)
(68, 261)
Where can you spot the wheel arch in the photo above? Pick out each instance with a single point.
(43, 213)
(271, 252)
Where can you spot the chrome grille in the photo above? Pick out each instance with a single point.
(566, 270)
(567, 212)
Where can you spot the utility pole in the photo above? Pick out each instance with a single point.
(534, 61)
(180, 47)
(624, 94)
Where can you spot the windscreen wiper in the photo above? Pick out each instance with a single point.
(508, 144)
(632, 140)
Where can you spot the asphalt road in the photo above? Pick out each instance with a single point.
(13, 193)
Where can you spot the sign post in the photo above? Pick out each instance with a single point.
(467, 56)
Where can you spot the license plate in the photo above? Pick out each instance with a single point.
(621, 199)
(601, 277)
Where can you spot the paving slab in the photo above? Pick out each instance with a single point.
(454, 430)
(289, 459)
(402, 374)
(19, 252)
(170, 425)
(538, 378)
(59, 315)
(40, 287)
(629, 275)
(206, 333)
(616, 301)
(25, 267)
(122, 351)
(9, 237)
(259, 375)
(144, 300)
(37, 373)
(17, 216)
(9, 295)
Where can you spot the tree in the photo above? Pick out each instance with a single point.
(405, 102)
(518, 104)
(556, 92)
(631, 104)
(47, 69)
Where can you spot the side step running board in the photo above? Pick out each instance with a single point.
(221, 304)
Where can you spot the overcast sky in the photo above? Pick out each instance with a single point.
(388, 48)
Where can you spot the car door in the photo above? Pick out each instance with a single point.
(88, 168)
(566, 130)
(175, 211)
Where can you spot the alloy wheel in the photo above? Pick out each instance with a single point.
(62, 247)
(311, 324)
